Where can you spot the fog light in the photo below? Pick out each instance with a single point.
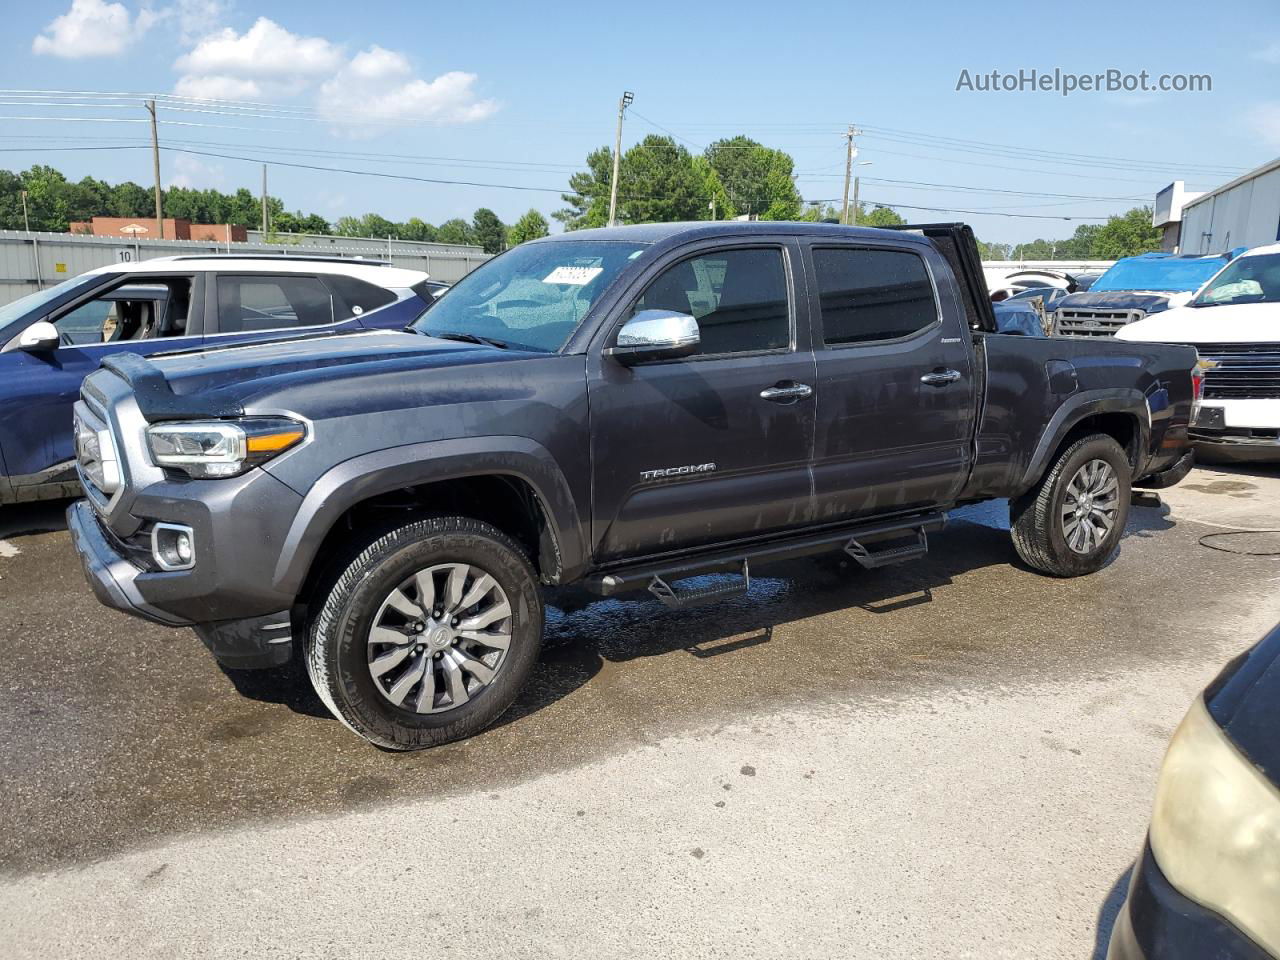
(173, 546)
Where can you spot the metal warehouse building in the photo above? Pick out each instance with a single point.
(1242, 213)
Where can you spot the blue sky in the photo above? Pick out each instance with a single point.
(517, 94)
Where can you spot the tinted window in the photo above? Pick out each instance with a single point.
(872, 294)
(269, 303)
(738, 297)
(358, 296)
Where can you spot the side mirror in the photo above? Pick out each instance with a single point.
(655, 335)
(39, 337)
(1181, 299)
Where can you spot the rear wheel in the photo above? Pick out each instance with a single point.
(1071, 522)
(428, 635)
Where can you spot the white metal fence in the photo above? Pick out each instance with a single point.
(29, 261)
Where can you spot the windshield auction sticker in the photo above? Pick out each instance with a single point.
(574, 276)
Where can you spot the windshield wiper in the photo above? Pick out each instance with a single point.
(471, 338)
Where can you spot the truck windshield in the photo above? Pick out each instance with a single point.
(532, 297)
(1245, 280)
(1161, 274)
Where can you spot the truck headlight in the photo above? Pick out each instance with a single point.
(1215, 831)
(221, 448)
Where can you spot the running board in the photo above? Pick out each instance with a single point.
(870, 558)
(663, 573)
(675, 597)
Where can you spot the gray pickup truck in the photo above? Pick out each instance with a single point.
(623, 409)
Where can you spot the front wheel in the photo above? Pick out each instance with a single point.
(1070, 523)
(428, 635)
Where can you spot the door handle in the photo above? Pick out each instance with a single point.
(782, 392)
(940, 378)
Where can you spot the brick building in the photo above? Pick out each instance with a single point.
(174, 229)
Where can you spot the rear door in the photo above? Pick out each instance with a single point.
(896, 392)
(714, 447)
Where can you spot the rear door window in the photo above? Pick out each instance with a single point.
(249, 303)
(356, 297)
(870, 295)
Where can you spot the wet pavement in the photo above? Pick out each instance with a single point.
(118, 737)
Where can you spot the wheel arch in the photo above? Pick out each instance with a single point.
(512, 482)
(1121, 413)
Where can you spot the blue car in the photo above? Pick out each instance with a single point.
(50, 340)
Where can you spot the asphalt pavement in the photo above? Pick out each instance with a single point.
(953, 758)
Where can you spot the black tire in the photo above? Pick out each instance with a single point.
(1036, 517)
(338, 645)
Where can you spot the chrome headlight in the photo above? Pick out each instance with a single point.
(1216, 828)
(221, 448)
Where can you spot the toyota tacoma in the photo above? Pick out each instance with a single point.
(624, 409)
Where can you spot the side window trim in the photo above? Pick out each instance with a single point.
(820, 340)
(789, 281)
(212, 313)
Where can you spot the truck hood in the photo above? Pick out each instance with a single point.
(1228, 323)
(1147, 300)
(309, 358)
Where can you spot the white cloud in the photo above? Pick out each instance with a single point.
(93, 28)
(266, 55)
(196, 19)
(193, 173)
(1265, 120)
(217, 87)
(379, 84)
(1269, 54)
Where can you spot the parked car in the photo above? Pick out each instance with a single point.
(622, 409)
(1133, 288)
(1207, 883)
(1234, 323)
(1020, 281)
(49, 340)
(1018, 315)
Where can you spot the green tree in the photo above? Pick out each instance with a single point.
(878, 217)
(376, 226)
(1126, 236)
(456, 230)
(530, 226)
(657, 183)
(488, 230)
(129, 200)
(588, 196)
(348, 227)
(417, 229)
(758, 179)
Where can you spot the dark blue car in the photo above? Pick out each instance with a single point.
(50, 340)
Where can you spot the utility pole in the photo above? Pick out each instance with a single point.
(26, 221)
(155, 163)
(265, 221)
(623, 103)
(851, 151)
(855, 200)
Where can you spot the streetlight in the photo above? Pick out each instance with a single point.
(623, 103)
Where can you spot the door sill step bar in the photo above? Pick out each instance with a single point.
(675, 597)
(659, 576)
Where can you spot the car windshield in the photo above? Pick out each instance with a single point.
(1245, 280)
(1163, 274)
(1030, 292)
(532, 297)
(34, 301)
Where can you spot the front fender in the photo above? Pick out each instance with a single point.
(1124, 400)
(383, 471)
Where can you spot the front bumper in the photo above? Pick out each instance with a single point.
(1159, 923)
(246, 643)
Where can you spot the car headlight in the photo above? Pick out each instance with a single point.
(221, 448)
(1216, 828)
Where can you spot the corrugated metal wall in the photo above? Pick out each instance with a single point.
(1247, 215)
(31, 260)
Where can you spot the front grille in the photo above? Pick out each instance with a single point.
(1081, 322)
(1243, 371)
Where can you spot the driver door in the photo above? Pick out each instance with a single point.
(713, 447)
(143, 316)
